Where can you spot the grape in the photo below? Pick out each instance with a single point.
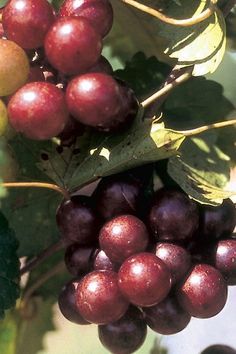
(26, 22)
(72, 45)
(99, 13)
(3, 118)
(218, 221)
(99, 299)
(176, 258)
(102, 66)
(77, 221)
(116, 195)
(67, 303)
(173, 216)
(78, 259)
(219, 349)
(38, 110)
(144, 279)
(203, 294)
(94, 99)
(14, 67)
(224, 259)
(71, 131)
(102, 262)
(167, 317)
(122, 237)
(125, 335)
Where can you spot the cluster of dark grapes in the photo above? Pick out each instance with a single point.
(139, 262)
(53, 77)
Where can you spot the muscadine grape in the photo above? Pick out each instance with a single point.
(125, 335)
(218, 221)
(122, 237)
(101, 66)
(72, 45)
(176, 258)
(71, 131)
(224, 259)
(203, 293)
(38, 110)
(14, 67)
(77, 221)
(3, 118)
(116, 195)
(67, 303)
(102, 262)
(173, 216)
(99, 13)
(219, 349)
(144, 279)
(26, 22)
(99, 299)
(94, 99)
(78, 259)
(167, 317)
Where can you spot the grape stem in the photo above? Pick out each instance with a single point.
(205, 128)
(59, 267)
(41, 257)
(51, 186)
(168, 87)
(173, 21)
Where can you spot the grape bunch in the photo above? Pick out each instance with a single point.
(134, 267)
(53, 78)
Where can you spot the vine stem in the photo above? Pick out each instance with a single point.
(48, 252)
(40, 281)
(173, 21)
(51, 186)
(205, 128)
(168, 87)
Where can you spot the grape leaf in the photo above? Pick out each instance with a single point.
(9, 266)
(8, 333)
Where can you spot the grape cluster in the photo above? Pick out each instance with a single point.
(53, 77)
(132, 269)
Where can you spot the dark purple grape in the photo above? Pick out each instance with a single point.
(176, 258)
(173, 216)
(71, 131)
(122, 237)
(218, 221)
(167, 317)
(117, 195)
(224, 259)
(102, 66)
(99, 299)
(72, 45)
(77, 221)
(67, 303)
(144, 279)
(203, 294)
(219, 349)
(102, 262)
(38, 110)
(125, 335)
(99, 13)
(26, 22)
(78, 259)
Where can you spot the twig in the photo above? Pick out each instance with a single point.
(173, 21)
(41, 257)
(51, 186)
(164, 90)
(205, 128)
(40, 281)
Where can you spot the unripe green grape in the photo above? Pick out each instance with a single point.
(14, 67)
(3, 118)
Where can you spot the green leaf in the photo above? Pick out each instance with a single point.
(202, 170)
(8, 334)
(9, 266)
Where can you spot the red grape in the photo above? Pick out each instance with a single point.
(26, 22)
(224, 259)
(38, 110)
(72, 45)
(78, 259)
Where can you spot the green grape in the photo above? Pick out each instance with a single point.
(3, 118)
(14, 67)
